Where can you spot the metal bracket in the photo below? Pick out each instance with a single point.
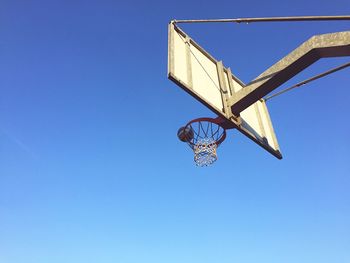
(227, 92)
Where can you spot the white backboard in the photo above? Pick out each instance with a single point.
(206, 79)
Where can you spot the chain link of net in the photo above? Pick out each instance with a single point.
(205, 152)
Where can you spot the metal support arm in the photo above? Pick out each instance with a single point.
(317, 47)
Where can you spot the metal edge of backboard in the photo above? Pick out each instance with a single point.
(170, 48)
(247, 133)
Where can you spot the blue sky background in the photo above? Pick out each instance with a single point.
(90, 166)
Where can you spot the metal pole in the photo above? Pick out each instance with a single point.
(309, 80)
(266, 19)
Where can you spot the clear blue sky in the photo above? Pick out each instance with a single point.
(90, 166)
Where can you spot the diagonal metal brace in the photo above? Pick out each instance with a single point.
(317, 47)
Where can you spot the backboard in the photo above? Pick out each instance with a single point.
(207, 80)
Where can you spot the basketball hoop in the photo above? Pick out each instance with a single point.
(203, 135)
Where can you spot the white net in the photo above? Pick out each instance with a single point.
(205, 151)
(203, 135)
